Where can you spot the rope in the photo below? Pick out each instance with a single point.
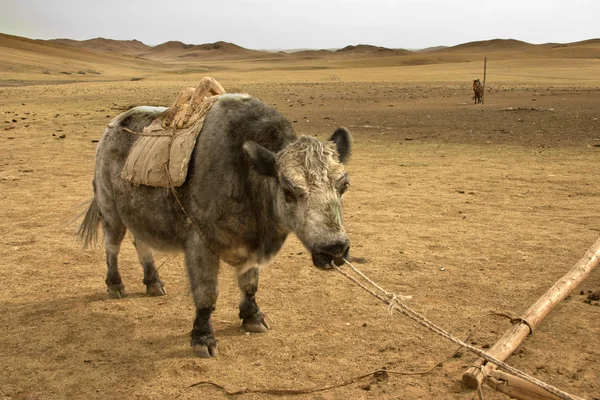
(193, 223)
(146, 134)
(392, 300)
(380, 374)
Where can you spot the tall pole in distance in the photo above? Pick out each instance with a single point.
(484, 74)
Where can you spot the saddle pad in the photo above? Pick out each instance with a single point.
(161, 154)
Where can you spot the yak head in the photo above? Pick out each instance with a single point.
(311, 182)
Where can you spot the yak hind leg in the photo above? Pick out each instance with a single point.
(114, 231)
(154, 285)
(203, 271)
(253, 320)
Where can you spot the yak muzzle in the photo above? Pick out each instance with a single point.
(324, 255)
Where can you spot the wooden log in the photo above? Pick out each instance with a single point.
(516, 387)
(513, 392)
(514, 336)
(484, 75)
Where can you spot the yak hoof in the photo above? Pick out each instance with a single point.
(204, 351)
(156, 289)
(116, 291)
(257, 325)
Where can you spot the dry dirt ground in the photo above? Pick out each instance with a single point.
(469, 209)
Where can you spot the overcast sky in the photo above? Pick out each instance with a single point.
(288, 24)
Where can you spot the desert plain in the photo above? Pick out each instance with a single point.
(470, 209)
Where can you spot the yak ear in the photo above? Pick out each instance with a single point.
(343, 142)
(261, 159)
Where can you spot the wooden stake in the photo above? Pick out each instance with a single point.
(484, 74)
(513, 337)
(516, 387)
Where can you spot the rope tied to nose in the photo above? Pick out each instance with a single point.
(393, 303)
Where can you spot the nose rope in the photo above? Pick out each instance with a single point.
(395, 304)
(392, 306)
(392, 296)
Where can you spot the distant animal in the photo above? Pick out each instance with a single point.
(478, 91)
(251, 181)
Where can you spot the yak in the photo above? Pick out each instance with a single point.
(251, 182)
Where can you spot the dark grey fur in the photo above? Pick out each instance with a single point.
(238, 196)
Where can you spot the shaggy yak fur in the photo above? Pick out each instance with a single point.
(251, 181)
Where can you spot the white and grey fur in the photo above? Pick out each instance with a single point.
(251, 182)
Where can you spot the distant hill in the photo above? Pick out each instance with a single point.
(132, 58)
(166, 50)
(292, 51)
(492, 45)
(172, 51)
(129, 47)
(589, 42)
(366, 49)
(514, 49)
(176, 51)
(308, 54)
(584, 49)
(22, 55)
(427, 49)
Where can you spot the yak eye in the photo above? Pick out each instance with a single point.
(289, 196)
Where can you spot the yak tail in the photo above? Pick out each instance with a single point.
(88, 230)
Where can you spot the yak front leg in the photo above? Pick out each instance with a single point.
(253, 320)
(203, 271)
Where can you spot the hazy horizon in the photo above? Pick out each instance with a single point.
(310, 24)
(292, 50)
